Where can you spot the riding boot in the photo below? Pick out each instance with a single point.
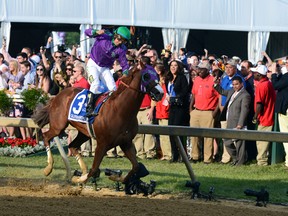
(90, 105)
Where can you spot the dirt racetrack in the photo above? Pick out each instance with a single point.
(30, 197)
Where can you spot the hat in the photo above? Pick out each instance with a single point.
(36, 59)
(204, 65)
(236, 58)
(284, 70)
(124, 32)
(261, 69)
(232, 62)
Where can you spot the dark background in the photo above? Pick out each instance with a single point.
(230, 43)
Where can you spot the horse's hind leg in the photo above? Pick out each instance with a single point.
(48, 135)
(130, 153)
(56, 126)
(74, 146)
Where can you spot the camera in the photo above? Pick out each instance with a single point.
(147, 188)
(62, 48)
(149, 46)
(109, 172)
(261, 196)
(136, 186)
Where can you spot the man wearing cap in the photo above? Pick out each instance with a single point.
(280, 84)
(264, 110)
(106, 49)
(226, 84)
(203, 104)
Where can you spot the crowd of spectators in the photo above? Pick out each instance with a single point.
(196, 91)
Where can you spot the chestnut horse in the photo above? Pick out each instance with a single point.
(116, 124)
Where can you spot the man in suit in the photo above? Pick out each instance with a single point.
(235, 112)
(280, 84)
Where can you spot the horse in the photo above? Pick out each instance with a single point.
(116, 123)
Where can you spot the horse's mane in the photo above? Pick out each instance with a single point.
(125, 79)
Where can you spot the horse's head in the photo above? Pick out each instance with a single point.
(150, 82)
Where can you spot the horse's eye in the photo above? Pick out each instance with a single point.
(146, 77)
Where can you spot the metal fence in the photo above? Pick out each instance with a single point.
(175, 131)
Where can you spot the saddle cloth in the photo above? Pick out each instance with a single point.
(77, 111)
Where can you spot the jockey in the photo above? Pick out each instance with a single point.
(106, 49)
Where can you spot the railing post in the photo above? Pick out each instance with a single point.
(185, 158)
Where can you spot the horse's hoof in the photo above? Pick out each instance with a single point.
(81, 179)
(116, 178)
(48, 169)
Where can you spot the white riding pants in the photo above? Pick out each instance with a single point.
(100, 78)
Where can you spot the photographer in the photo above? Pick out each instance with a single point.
(57, 74)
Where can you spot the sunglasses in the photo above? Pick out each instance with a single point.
(58, 57)
(39, 69)
(120, 38)
(70, 69)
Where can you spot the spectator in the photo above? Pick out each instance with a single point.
(264, 110)
(250, 85)
(162, 114)
(69, 69)
(178, 97)
(57, 74)
(182, 56)
(235, 113)
(42, 79)
(226, 84)
(29, 78)
(280, 84)
(78, 75)
(152, 54)
(15, 79)
(193, 61)
(202, 111)
(3, 66)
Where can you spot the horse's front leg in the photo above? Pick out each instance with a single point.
(100, 151)
(74, 146)
(130, 153)
(83, 167)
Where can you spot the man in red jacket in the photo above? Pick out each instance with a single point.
(265, 98)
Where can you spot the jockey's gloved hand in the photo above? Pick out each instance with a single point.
(125, 72)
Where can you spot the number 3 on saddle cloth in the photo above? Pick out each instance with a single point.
(77, 111)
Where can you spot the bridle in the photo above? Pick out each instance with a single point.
(128, 86)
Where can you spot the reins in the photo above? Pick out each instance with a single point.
(127, 86)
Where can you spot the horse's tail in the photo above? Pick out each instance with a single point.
(41, 114)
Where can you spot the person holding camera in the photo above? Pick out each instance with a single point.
(178, 91)
(106, 49)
